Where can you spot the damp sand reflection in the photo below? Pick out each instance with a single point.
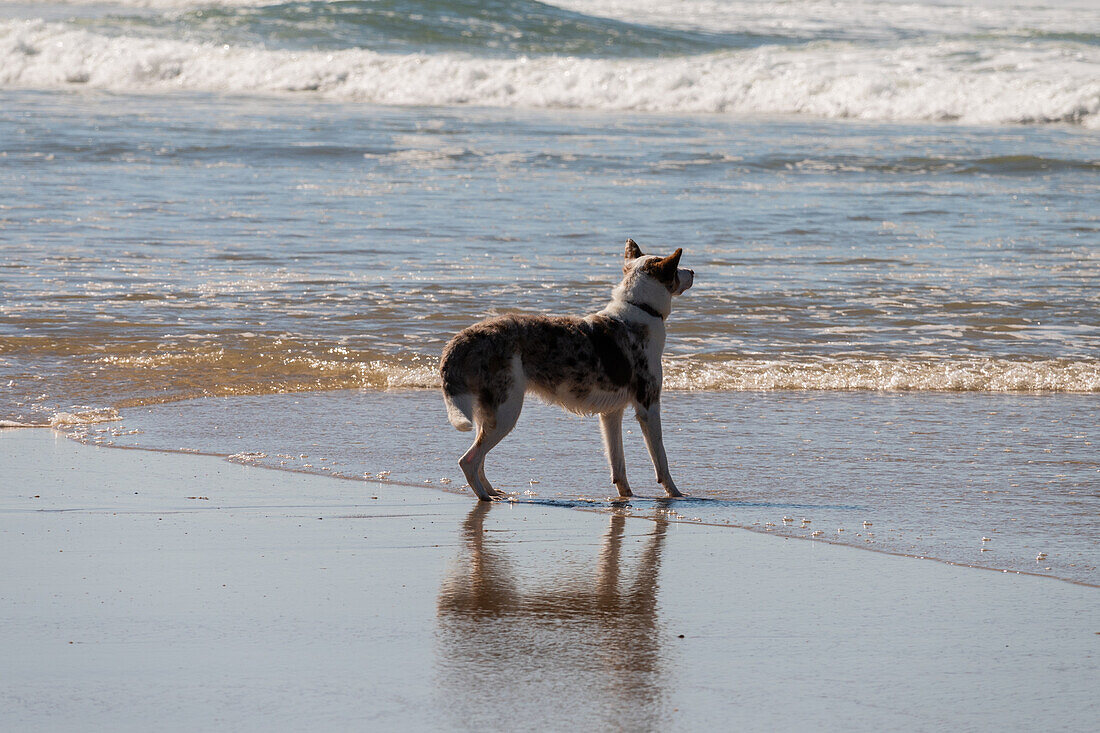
(557, 636)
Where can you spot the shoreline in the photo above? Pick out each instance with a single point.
(175, 577)
(576, 505)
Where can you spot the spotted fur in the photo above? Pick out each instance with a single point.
(599, 364)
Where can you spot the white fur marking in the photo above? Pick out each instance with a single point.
(460, 410)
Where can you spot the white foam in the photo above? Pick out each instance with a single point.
(887, 375)
(248, 457)
(17, 424)
(998, 82)
(924, 374)
(85, 417)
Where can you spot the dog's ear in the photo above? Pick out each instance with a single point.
(670, 263)
(664, 269)
(633, 251)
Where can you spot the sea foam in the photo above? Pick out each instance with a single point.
(89, 416)
(885, 375)
(271, 372)
(997, 81)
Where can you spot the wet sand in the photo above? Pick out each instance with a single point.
(923, 475)
(185, 592)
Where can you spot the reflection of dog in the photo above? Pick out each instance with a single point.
(485, 585)
(597, 364)
(548, 622)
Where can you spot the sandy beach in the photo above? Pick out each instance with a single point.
(236, 237)
(185, 592)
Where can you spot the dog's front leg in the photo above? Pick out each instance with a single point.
(649, 418)
(611, 426)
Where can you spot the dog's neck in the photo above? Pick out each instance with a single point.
(648, 309)
(647, 298)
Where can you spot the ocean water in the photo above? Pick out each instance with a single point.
(272, 216)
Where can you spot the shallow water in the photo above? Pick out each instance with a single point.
(890, 208)
(213, 247)
(931, 474)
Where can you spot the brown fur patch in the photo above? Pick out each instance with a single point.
(608, 351)
(664, 269)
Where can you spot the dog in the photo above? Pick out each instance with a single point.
(599, 364)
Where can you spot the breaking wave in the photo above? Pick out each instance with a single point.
(894, 375)
(125, 380)
(994, 81)
(222, 373)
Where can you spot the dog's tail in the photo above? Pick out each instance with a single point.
(456, 394)
(460, 409)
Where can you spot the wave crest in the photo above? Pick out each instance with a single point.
(889, 375)
(993, 82)
(143, 376)
(207, 372)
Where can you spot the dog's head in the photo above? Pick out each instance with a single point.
(664, 270)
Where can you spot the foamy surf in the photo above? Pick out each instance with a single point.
(885, 375)
(90, 416)
(998, 81)
(144, 380)
(261, 366)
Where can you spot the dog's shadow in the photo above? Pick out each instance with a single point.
(548, 625)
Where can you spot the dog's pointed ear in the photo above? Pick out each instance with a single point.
(664, 269)
(633, 251)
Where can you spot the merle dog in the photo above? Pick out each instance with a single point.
(598, 364)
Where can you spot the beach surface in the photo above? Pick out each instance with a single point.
(236, 235)
(147, 588)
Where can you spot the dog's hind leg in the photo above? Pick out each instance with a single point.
(472, 465)
(469, 465)
(491, 430)
(473, 462)
(611, 427)
(485, 482)
(649, 418)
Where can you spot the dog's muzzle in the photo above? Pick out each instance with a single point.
(685, 279)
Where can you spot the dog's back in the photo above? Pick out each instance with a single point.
(586, 365)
